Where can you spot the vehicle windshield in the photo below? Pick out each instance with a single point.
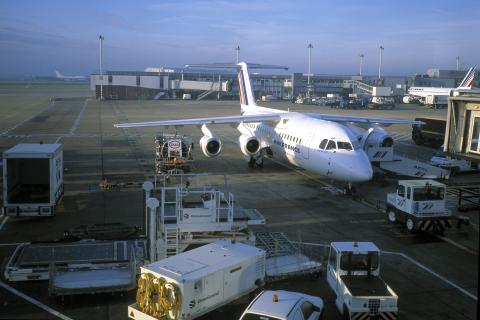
(427, 193)
(253, 316)
(359, 262)
(344, 145)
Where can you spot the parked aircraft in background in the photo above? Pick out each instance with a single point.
(325, 144)
(434, 95)
(69, 78)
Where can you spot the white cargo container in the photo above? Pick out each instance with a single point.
(381, 91)
(32, 179)
(199, 281)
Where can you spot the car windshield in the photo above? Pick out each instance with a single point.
(253, 316)
(359, 262)
(427, 193)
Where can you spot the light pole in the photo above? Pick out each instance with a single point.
(238, 53)
(458, 62)
(361, 63)
(380, 64)
(310, 47)
(101, 66)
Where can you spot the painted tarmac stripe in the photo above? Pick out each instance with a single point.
(50, 105)
(3, 223)
(421, 266)
(78, 119)
(415, 262)
(35, 302)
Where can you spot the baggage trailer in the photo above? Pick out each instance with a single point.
(353, 273)
(193, 283)
(419, 205)
(32, 179)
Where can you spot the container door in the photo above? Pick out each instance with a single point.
(232, 282)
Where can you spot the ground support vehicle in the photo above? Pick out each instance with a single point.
(432, 132)
(353, 273)
(419, 205)
(284, 305)
(173, 152)
(32, 179)
(193, 283)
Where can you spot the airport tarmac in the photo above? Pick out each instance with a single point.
(434, 277)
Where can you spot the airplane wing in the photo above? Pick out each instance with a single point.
(201, 121)
(362, 120)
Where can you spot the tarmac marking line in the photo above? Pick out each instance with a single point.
(34, 301)
(3, 223)
(50, 105)
(78, 119)
(425, 268)
(458, 245)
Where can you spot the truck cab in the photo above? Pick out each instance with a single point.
(284, 305)
(353, 273)
(419, 205)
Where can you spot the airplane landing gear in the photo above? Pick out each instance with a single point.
(255, 162)
(349, 190)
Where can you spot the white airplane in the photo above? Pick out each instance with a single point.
(322, 143)
(421, 93)
(69, 78)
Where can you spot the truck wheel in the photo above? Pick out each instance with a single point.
(392, 217)
(409, 225)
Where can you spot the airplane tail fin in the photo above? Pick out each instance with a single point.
(467, 82)
(245, 91)
(58, 74)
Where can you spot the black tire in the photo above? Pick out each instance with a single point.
(391, 215)
(409, 225)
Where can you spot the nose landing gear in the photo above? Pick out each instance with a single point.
(349, 190)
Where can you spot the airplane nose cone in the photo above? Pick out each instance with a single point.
(363, 172)
(364, 175)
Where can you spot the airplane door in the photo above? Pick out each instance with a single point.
(306, 146)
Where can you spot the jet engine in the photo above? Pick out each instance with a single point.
(211, 145)
(377, 137)
(249, 145)
(407, 99)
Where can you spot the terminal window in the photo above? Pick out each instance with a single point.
(475, 133)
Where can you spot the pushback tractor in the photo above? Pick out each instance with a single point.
(419, 205)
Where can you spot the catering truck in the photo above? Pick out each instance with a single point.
(32, 179)
(193, 283)
(353, 273)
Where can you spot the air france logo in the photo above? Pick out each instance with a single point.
(400, 202)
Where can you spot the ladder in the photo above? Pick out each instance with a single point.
(171, 240)
(274, 243)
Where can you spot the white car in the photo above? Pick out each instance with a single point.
(284, 305)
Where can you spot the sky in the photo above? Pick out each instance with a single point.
(38, 37)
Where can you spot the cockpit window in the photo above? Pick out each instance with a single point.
(331, 145)
(344, 145)
(323, 144)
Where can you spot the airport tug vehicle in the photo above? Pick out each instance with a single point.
(173, 152)
(419, 205)
(353, 273)
(284, 305)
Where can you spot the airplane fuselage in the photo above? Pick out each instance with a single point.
(426, 91)
(298, 141)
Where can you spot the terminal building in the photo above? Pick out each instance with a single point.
(172, 83)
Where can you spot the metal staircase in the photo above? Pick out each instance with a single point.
(204, 94)
(274, 243)
(171, 240)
